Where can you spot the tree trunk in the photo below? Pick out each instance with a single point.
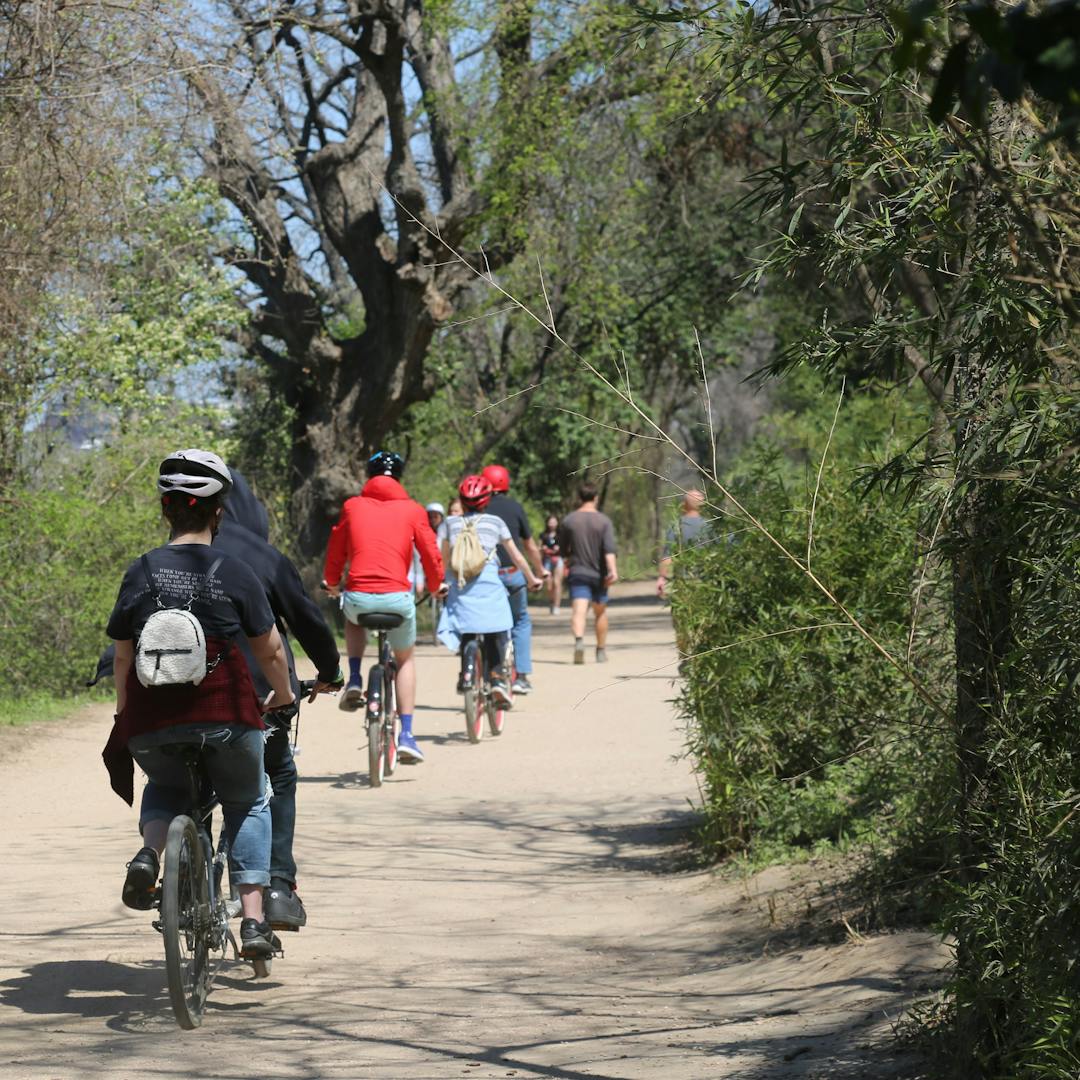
(982, 610)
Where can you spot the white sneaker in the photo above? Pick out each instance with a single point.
(352, 697)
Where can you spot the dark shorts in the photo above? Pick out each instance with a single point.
(594, 591)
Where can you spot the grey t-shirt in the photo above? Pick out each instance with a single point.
(585, 537)
(689, 534)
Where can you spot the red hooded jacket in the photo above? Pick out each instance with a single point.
(375, 536)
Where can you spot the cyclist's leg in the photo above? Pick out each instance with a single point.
(405, 683)
(495, 654)
(166, 791)
(522, 632)
(164, 796)
(402, 640)
(235, 764)
(281, 768)
(355, 641)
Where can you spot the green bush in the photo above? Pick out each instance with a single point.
(1015, 995)
(66, 537)
(801, 734)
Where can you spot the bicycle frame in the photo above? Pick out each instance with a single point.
(194, 918)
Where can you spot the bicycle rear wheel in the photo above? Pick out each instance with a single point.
(496, 713)
(390, 721)
(375, 705)
(474, 714)
(185, 922)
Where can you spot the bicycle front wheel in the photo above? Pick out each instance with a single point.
(474, 714)
(185, 922)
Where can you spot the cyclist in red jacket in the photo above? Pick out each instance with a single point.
(374, 538)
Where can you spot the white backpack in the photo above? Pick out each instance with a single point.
(172, 645)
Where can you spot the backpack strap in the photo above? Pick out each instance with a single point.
(150, 580)
(205, 581)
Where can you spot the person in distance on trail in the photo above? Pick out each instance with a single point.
(220, 712)
(454, 507)
(481, 605)
(435, 515)
(688, 534)
(553, 562)
(587, 541)
(374, 539)
(513, 515)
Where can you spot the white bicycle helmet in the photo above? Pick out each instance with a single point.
(198, 473)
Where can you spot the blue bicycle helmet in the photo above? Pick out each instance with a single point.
(386, 463)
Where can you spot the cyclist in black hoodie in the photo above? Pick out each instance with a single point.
(244, 533)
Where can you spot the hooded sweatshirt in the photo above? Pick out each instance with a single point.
(243, 534)
(375, 536)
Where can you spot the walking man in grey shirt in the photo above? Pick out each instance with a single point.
(587, 542)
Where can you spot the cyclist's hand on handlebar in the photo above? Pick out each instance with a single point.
(535, 583)
(443, 591)
(275, 701)
(333, 590)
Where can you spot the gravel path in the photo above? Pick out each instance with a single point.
(513, 909)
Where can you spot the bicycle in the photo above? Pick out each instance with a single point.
(194, 914)
(381, 716)
(479, 699)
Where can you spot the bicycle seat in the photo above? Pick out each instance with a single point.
(381, 620)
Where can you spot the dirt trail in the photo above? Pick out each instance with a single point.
(511, 909)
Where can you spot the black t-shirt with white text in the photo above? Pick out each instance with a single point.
(232, 603)
(517, 521)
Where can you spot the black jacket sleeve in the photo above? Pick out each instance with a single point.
(305, 621)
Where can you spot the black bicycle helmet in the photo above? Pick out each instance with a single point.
(386, 463)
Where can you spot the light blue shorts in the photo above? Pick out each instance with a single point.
(355, 604)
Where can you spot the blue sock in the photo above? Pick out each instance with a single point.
(406, 723)
(354, 669)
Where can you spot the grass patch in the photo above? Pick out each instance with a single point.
(41, 706)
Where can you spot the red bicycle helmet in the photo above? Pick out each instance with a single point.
(475, 492)
(498, 476)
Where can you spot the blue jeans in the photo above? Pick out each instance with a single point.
(521, 635)
(281, 769)
(233, 757)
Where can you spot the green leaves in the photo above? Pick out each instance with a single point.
(1015, 51)
(800, 737)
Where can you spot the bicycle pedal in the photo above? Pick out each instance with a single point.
(286, 927)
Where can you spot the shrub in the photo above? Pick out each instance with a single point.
(800, 732)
